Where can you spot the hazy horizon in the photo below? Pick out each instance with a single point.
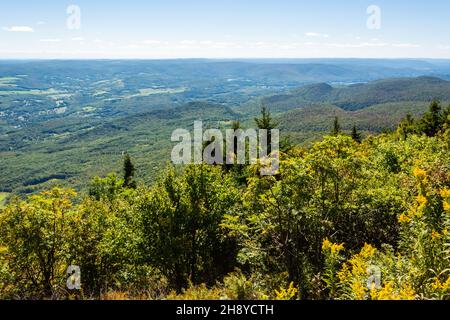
(226, 29)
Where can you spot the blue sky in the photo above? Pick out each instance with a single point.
(225, 29)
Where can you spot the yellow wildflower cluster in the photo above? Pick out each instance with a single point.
(447, 206)
(357, 263)
(419, 173)
(404, 218)
(438, 285)
(422, 203)
(388, 292)
(368, 251)
(353, 273)
(358, 290)
(446, 195)
(334, 248)
(436, 235)
(286, 294)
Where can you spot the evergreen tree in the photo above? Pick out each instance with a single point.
(266, 122)
(128, 172)
(336, 127)
(356, 136)
(446, 116)
(431, 122)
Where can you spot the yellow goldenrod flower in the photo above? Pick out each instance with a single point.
(368, 251)
(389, 292)
(446, 285)
(446, 206)
(286, 294)
(437, 285)
(419, 173)
(326, 244)
(358, 290)
(335, 248)
(435, 235)
(422, 201)
(407, 293)
(344, 273)
(385, 293)
(404, 218)
(445, 193)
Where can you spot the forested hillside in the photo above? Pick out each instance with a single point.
(347, 218)
(75, 122)
(362, 95)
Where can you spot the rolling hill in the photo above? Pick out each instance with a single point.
(363, 95)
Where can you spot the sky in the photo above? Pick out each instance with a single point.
(167, 29)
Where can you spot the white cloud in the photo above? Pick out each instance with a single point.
(78, 39)
(405, 45)
(50, 40)
(18, 29)
(188, 42)
(357, 45)
(317, 35)
(222, 45)
(133, 46)
(153, 42)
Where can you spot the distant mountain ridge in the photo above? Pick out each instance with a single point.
(363, 95)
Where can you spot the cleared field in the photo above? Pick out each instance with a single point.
(151, 91)
(29, 92)
(8, 82)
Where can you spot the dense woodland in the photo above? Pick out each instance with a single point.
(337, 211)
(64, 122)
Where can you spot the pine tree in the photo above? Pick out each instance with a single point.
(446, 116)
(266, 123)
(356, 136)
(431, 122)
(336, 127)
(128, 172)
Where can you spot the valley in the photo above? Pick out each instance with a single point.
(64, 122)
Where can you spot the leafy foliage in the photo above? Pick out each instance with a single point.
(344, 219)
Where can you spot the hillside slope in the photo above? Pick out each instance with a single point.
(363, 95)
